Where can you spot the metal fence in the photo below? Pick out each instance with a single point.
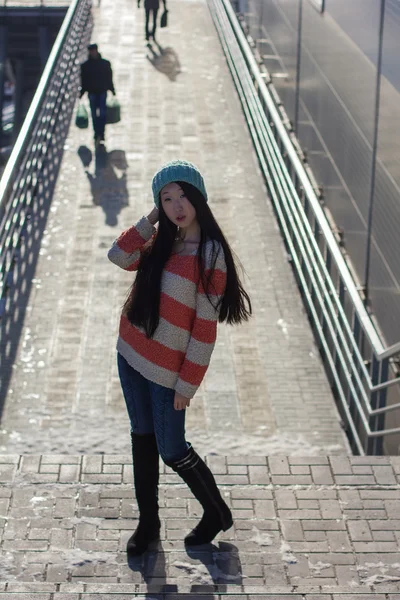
(335, 66)
(362, 372)
(27, 184)
(34, 3)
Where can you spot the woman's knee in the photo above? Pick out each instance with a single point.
(171, 455)
(141, 428)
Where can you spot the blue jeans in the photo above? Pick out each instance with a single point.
(99, 110)
(151, 410)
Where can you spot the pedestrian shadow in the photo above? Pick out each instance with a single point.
(223, 565)
(152, 566)
(212, 570)
(108, 180)
(164, 60)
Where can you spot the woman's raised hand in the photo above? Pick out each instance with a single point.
(153, 216)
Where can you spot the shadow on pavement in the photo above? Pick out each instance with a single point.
(108, 180)
(152, 566)
(211, 570)
(21, 280)
(164, 60)
(223, 565)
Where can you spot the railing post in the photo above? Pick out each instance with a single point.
(19, 97)
(357, 332)
(374, 154)
(3, 55)
(44, 44)
(380, 372)
(298, 67)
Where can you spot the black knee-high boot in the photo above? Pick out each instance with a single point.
(146, 476)
(217, 516)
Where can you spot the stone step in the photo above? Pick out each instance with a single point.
(54, 591)
(321, 524)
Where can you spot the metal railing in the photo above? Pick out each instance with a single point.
(359, 367)
(27, 184)
(34, 3)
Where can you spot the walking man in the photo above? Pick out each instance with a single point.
(96, 80)
(151, 6)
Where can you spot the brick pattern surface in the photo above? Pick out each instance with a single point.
(266, 390)
(66, 520)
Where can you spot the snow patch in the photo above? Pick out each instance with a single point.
(283, 326)
(202, 574)
(75, 434)
(261, 537)
(37, 499)
(287, 554)
(382, 577)
(317, 567)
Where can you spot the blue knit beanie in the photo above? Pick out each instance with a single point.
(177, 170)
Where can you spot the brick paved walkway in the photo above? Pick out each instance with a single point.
(266, 391)
(303, 526)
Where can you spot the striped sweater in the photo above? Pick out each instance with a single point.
(178, 354)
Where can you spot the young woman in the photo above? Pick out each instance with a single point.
(186, 281)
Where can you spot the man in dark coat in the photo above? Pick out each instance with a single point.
(151, 6)
(96, 80)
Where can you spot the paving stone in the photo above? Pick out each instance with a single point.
(323, 525)
(286, 499)
(278, 465)
(60, 459)
(12, 459)
(264, 509)
(354, 479)
(359, 530)
(300, 470)
(292, 530)
(321, 475)
(384, 475)
(258, 475)
(7, 473)
(64, 507)
(341, 465)
(291, 479)
(92, 464)
(338, 541)
(330, 509)
(69, 473)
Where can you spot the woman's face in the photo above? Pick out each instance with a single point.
(176, 206)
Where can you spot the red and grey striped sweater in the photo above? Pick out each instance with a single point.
(178, 354)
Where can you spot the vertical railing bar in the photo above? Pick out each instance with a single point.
(298, 67)
(374, 154)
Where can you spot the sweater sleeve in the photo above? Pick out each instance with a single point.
(204, 331)
(128, 247)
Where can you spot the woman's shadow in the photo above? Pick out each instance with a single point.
(164, 60)
(211, 571)
(108, 180)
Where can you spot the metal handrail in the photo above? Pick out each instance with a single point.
(22, 141)
(271, 146)
(380, 351)
(30, 176)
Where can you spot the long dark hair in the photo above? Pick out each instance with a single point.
(142, 306)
